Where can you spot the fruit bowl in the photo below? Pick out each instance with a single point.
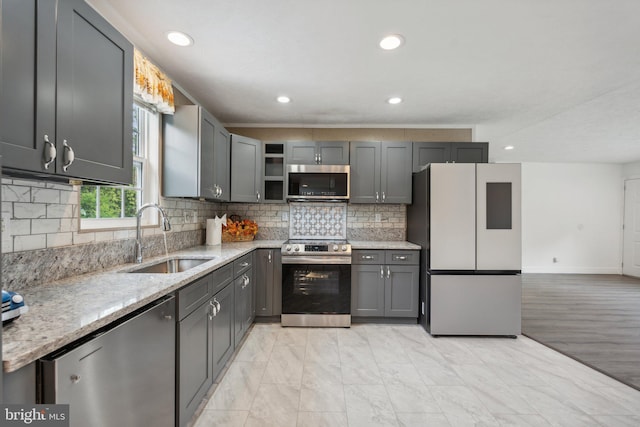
(238, 230)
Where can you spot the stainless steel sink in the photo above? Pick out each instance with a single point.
(173, 265)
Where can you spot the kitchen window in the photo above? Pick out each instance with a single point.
(115, 206)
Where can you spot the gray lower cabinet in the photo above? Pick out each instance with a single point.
(205, 338)
(380, 172)
(243, 294)
(20, 386)
(268, 282)
(385, 283)
(446, 152)
(317, 153)
(66, 105)
(246, 169)
(197, 152)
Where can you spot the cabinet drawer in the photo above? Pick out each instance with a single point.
(367, 257)
(242, 264)
(222, 277)
(191, 296)
(402, 257)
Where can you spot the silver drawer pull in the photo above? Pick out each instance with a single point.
(244, 264)
(400, 257)
(75, 378)
(367, 256)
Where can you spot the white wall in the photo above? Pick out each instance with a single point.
(572, 212)
(631, 170)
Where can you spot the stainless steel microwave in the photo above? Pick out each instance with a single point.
(317, 182)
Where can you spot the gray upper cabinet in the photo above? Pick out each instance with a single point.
(66, 105)
(317, 153)
(246, 169)
(380, 172)
(196, 155)
(445, 152)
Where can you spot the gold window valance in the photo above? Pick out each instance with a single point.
(152, 85)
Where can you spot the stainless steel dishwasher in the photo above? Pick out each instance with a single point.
(122, 375)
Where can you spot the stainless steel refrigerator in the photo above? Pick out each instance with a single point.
(467, 218)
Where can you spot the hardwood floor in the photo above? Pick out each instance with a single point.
(592, 318)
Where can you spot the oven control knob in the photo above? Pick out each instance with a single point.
(344, 248)
(288, 248)
(296, 248)
(335, 247)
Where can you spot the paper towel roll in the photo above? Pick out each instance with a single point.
(214, 230)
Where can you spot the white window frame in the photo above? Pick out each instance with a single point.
(150, 180)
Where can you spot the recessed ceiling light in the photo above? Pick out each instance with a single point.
(391, 42)
(394, 100)
(508, 147)
(283, 99)
(179, 38)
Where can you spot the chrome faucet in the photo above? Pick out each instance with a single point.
(166, 226)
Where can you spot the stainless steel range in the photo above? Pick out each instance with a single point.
(316, 283)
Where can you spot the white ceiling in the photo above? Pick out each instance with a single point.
(559, 80)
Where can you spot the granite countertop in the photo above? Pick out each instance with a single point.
(63, 311)
(397, 245)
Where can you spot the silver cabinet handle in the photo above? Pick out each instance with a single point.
(320, 158)
(400, 258)
(377, 197)
(384, 197)
(69, 155)
(168, 317)
(382, 272)
(245, 281)
(49, 154)
(269, 258)
(214, 310)
(317, 157)
(388, 272)
(75, 378)
(220, 191)
(217, 305)
(258, 196)
(244, 264)
(367, 256)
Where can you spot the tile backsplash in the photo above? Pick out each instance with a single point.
(41, 240)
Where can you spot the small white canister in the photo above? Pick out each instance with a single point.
(214, 230)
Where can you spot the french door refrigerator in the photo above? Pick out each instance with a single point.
(467, 218)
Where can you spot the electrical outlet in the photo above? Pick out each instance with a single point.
(186, 216)
(555, 260)
(285, 216)
(194, 217)
(378, 217)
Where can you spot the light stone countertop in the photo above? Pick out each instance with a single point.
(63, 311)
(397, 245)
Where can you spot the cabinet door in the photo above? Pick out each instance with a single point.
(222, 330)
(243, 295)
(221, 158)
(94, 96)
(301, 153)
(195, 374)
(207, 159)
(264, 282)
(470, 152)
(367, 290)
(395, 172)
(246, 169)
(365, 172)
(430, 152)
(401, 291)
(333, 152)
(27, 82)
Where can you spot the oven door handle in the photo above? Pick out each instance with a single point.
(316, 260)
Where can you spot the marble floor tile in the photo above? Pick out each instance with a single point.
(285, 365)
(417, 419)
(322, 398)
(398, 375)
(211, 418)
(275, 405)
(322, 419)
